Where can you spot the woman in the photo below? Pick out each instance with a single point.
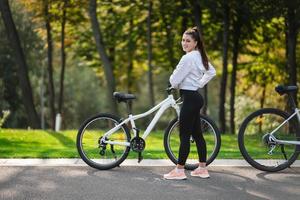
(192, 72)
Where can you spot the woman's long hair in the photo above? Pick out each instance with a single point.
(196, 35)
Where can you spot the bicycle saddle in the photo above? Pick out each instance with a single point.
(285, 89)
(120, 96)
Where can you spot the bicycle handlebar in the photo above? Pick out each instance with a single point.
(170, 90)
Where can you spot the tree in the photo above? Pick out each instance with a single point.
(168, 19)
(293, 24)
(223, 82)
(150, 54)
(197, 10)
(236, 39)
(110, 80)
(63, 55)
(241, 18)
(46, 6)
(271, 18)
(21, 61)
(10, 98)
(131, 49)
(184, 14)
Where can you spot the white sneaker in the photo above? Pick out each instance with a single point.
(175, 175)
(201, 172)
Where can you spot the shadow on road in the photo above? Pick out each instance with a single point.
(144, 183)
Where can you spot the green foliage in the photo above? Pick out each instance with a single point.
(266, 52)
(243, 107)
(261, 62)
(83, 95)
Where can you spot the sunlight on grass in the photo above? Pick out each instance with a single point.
(15, 143)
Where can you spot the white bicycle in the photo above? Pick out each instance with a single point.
(269, 138)
(104, 140)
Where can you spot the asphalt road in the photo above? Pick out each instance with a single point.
(145, 183)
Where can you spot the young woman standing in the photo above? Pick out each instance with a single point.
(192, 72)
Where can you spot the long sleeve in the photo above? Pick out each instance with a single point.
(208, 75)
(182, 70)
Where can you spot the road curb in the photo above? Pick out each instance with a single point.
(127, 162)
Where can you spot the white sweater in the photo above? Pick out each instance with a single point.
(190, 73)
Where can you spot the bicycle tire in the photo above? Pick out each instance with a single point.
(88, 142)
(211, 134)
(254, 126)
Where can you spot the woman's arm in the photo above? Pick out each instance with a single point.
(182, 70)
(208, 75)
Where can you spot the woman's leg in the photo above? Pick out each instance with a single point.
(185, 130)
(197, 134)
(186, 121)
(200, 141)
(189, 115)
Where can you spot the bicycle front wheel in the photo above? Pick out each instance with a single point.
(257, 146)
(103, 152)
(211, 135)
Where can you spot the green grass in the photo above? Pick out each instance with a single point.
(16, 143)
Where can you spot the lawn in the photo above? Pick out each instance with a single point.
(17, 143)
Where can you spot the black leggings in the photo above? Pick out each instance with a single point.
(189, 124)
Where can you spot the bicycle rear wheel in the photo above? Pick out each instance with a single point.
(94, 149)
(255, 143)
(211, 135)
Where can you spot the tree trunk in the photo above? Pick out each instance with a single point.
(291, 46)
(49, 65)
(63, 57)
(131, 48)
(262, 102)
(13, 37)
(263, 97)
(110, 80)
(168, 26)
(111, 48)
(198, 15)
(198, 21)
(184, 16)
(223, 83)
(236, 38)
(149, 45)
(130, 52)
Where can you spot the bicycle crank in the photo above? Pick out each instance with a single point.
(137, 144)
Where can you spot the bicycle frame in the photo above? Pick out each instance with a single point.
(161, 107)
(272, 136)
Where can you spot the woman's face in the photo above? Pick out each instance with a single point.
(188, 43)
